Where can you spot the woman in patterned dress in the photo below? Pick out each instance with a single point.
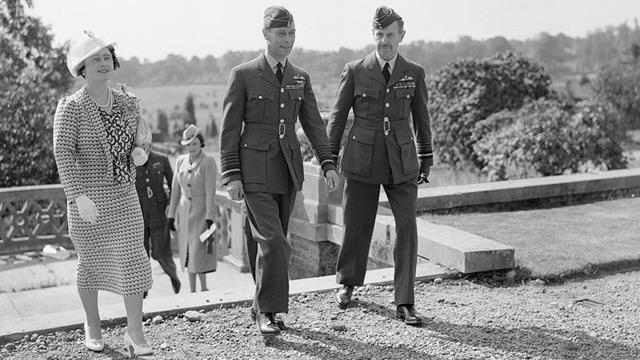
(192, 208)
(94, 135)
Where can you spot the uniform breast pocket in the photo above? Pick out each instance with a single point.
(409, 157)
(253, 161)
(404, 97)
(364, 100)
(297, 97)
(257, 104)
(358, 151)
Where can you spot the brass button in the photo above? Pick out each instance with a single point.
(281, 121)
(282, 105)
(386, 118)
(386, 105)
(364, 95)
(408, 96)
(282, 90)
(260, 97)
(387, 90)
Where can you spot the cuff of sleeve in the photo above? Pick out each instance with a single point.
(328, 166)
(426, 162)
(227, 179)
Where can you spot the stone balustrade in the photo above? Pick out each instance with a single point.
(33, 216)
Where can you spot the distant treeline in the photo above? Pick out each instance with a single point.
(560, 55)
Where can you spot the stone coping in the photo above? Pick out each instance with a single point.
(444, 197)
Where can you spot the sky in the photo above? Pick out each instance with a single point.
(153, 29)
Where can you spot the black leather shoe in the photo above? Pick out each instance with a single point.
(408, 314)
(279, 323)
(266, 325)
(343, 296)
(176, 285)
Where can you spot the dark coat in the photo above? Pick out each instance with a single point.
(381, 146)
(258, 142)
(153, 174)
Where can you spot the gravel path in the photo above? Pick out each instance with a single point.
(590, 319)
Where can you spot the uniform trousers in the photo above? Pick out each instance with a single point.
(269, 249)
(157, 241)
(360, 205)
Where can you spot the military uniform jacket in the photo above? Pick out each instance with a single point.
(381, 146)
(258, 143)
(150, 179)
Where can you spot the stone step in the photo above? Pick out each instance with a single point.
(15, 329)
(462, 251)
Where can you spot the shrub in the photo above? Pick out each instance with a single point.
(620, 85)
(467, 91)
(547, 137)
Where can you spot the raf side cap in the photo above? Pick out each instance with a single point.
(277, 16)
(384, 17)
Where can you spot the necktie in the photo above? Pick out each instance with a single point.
(386, 73)
(279, 73)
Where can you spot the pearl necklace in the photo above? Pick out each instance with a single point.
(106, 107)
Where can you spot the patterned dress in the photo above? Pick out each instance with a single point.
(93, 155)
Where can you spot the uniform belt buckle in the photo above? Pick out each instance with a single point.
(282, 129)
(386, 126)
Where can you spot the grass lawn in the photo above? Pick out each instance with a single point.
(560, 240)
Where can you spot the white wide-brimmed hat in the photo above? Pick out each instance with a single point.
(189, 134)
(81, 48)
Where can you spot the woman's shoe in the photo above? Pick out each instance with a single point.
(92, 344)
(135, 349)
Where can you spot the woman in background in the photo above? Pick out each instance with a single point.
(192, 208)
(94, 136)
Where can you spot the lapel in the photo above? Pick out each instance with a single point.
(91, 113)
(371, 63)
(265, 72)
(185, 166)
(399, 70)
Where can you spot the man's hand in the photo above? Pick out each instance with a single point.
(236, 192)
(332, 179)
(423, 177)
(87, 209)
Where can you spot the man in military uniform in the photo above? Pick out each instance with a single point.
(261, 159)
(150, 179)
(385, 91)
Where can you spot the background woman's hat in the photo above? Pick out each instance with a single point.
(189, 134)
(81, 48)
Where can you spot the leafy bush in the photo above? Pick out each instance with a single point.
(547, 137)
(467, 91)
(620, 85)
(33, 76)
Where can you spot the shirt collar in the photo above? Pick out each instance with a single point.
(392, 62)
(273, 63)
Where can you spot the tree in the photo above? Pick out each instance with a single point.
(163, 122)
(213, 129)
(33, 76)
(190, 110)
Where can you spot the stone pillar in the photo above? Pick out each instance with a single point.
(312, 251)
